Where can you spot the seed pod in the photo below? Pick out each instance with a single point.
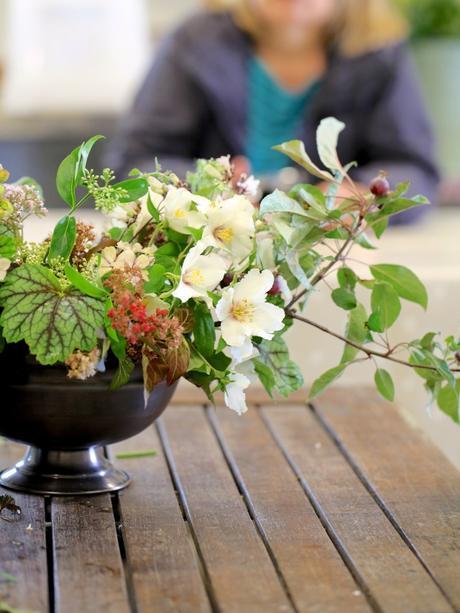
(379, 186)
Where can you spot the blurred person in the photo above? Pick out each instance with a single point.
(256, 73)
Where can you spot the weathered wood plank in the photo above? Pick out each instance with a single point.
(395, 578)
(187, 394)
(23, 547)
(315, 574)
(164, 565)
(418, 487)
(239, 568)
(88, 570)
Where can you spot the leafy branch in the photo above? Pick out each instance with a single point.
(387, 355)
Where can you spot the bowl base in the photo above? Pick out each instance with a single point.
(64, 473)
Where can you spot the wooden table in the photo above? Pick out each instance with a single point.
(340, 507)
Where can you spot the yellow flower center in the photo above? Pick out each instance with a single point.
(223, 234)
(243, 311)
(179, 213)
(194, 277)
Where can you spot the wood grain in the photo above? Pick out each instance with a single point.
(163, 561)
(240, 571)
(391, 573)
(23, 547)
(418, 487)
(88, 568)
(314, 572)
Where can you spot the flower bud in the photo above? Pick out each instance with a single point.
(379, 186)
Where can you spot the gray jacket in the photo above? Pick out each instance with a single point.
(193, 103)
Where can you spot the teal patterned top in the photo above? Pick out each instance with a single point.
(274, 116)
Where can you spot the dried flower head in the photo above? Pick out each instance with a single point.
(82, 365)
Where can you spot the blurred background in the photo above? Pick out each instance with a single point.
(66, 73)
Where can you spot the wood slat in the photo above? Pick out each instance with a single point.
(88, 568)
(239, 568)
(23, 547)
(162, 558)
(392, 574)
(418, 487)
(315, 574)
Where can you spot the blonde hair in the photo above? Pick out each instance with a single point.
(359, 26)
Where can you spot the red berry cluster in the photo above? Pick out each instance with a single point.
(130, 318)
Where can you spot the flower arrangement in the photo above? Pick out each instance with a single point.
(191, 279)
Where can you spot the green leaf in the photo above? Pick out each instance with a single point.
(326, 379)
(135, 188)
(403, 204)
(279, 202)
(117, 342)
(295, 150)
(83, 152)
(8, 243)
(406, 284)
(364, 241)
(312, 196)
(131, 455)
(266, 376)
(344, 298)
(379, 227)
(204, 333)
(63, 238)
(448, 401)
(384, 384)
(274, 354)
(66, 177)
(293, 262)
(81, 283)
(386, 307)
(123, 374)
(52, 321)
(327, 136)
(156, 280)
(347, 278)
(355, 331)
(152, 209)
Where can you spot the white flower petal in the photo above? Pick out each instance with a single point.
(242, 354)
(224, 306)
(234, 395)
(254, 285)
(233, 332)
(267, 319)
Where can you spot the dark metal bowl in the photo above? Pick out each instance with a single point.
(66, 423)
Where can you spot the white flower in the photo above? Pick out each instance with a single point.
(144, 217)
(180, 210)
(241, 354)
(249, 186)
(200, 274)
(234, 395)
(225, 162)
(230, 226)
(129, 256)
(244, 312)
(4, 266)
(242, 376)
(123, 213)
